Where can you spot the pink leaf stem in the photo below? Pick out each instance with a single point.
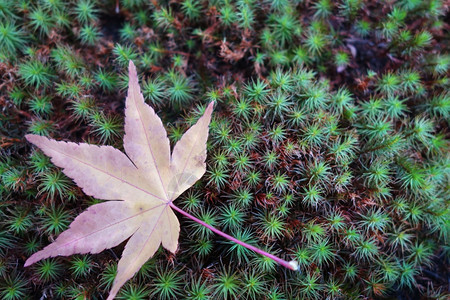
(292, 265)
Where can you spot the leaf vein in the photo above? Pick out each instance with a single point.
(108, 226)
(105, 172)
(148, 143)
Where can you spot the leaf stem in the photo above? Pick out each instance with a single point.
(292, 265)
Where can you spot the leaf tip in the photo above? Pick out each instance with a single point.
(210, 108)
(133, 77)
(34, 138)
(113, 292)
(29, 137)
(131, 64)
(132, 69)
(29, 261)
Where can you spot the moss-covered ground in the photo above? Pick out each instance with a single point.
(328, 144)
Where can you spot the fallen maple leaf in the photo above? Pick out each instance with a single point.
(147, 182)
